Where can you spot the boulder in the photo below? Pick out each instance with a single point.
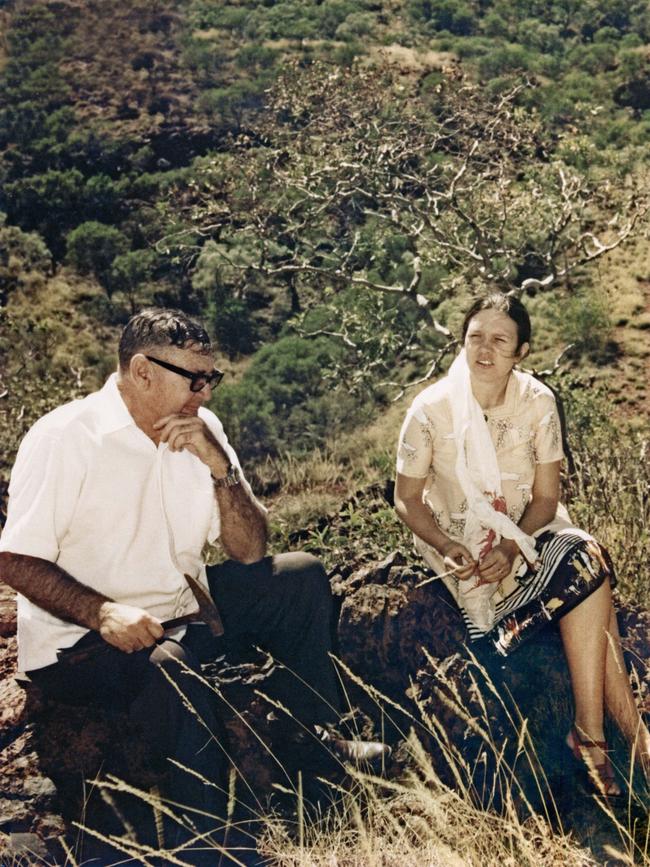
(404, 636)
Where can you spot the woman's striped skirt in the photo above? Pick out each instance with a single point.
(571, 566)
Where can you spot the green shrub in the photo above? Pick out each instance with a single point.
(583, 320)
(234, 328)
(631, 40)
(572, 97)
(22, 124)
(617, 131)
(149, 185)
(101, 196)
(96, 153)
(230, 104)
(21, 253)
(92, 248)
(431, 81)
(285, 401)
(48, 203)
(453, 16)
(205, 16)
(505, 59)
(332, 14)
(535, 35)
(32, 86)
(256, 57)
(473, 46)
(550, 65)
(495, 25)
(33, 383)
(356, 25)
(288, 20)
(631, 64)
(248, 416)
(128, 271)
(609, 493)
(594, 58)
(607, 34)
(205, 59)
(345, 55)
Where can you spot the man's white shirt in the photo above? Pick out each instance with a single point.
(92, 493)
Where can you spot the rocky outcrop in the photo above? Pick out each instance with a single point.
(409, 642)
(405, 668)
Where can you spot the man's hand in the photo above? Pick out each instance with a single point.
(128, 628)
(497, 563)
(458, 557)
(190, 432)
(243, 524)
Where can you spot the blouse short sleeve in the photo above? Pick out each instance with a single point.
(415, 445)
(548, 433)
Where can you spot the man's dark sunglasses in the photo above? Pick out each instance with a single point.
(198, 381)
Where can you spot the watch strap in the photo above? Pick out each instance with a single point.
(232, 478)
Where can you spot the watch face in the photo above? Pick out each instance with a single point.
(232, 477)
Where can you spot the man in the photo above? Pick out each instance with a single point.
(111, 501)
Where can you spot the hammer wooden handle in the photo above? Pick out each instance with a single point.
(208, 613)
(96, 644)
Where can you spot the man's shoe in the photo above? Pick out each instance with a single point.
(355, 751)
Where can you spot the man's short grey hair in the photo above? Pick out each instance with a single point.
(158, 326)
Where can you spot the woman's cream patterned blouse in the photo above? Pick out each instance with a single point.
(525, 431)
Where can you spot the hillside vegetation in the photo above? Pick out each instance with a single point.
(327, 184)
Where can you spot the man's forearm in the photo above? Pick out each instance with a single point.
(243, 524)
(51, 588)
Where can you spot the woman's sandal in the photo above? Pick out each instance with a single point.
(601, 777)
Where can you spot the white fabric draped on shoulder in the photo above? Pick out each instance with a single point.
(479, 477)
(476, 464)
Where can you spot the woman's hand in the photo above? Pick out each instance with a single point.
(457, 557)
(497, 563)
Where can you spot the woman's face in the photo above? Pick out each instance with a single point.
(491, 345)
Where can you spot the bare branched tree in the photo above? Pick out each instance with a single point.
(366, 185)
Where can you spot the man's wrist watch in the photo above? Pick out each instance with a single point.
(232, 478)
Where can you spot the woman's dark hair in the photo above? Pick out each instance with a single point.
(507, 304)
(161, 327)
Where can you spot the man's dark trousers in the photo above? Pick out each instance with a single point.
(283, 604)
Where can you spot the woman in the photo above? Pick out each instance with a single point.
(487, 518)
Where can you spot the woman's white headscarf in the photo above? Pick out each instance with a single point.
(477, 469)
(479, 477)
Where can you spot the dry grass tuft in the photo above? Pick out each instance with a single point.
(411, 820)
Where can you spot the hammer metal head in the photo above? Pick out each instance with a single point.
(208, 611)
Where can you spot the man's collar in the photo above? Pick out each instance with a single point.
(114, 413)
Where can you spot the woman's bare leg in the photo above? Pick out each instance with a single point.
(584, 636)
(619, 698)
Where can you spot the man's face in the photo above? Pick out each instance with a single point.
(171, 393)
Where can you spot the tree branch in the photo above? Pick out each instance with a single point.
(433, 368)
